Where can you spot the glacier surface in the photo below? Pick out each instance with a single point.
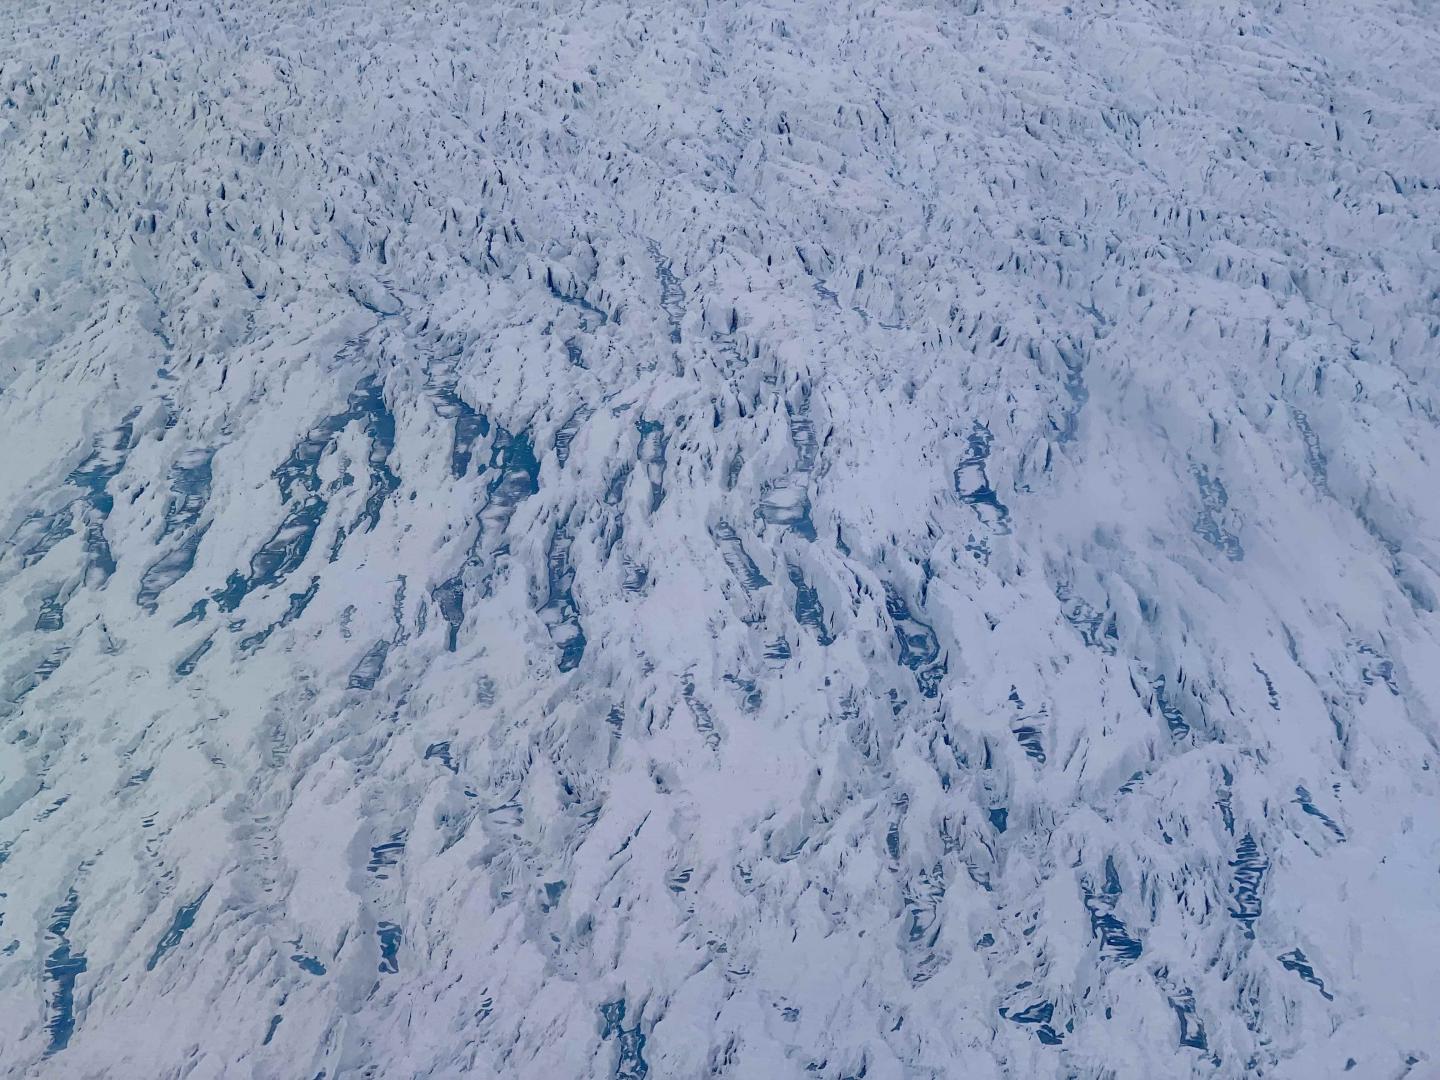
(746, 538)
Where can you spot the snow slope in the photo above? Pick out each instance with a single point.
(747, 539)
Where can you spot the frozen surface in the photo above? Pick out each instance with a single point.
(690, 539)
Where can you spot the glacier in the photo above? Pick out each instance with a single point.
(746, 538)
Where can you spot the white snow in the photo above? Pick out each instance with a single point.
(742, 539)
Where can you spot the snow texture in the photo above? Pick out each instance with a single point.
(747, 539)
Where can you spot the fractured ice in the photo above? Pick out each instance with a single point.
(748, 539)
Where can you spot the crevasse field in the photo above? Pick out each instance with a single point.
(748, 538)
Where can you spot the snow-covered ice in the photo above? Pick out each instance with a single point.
(746, 538)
